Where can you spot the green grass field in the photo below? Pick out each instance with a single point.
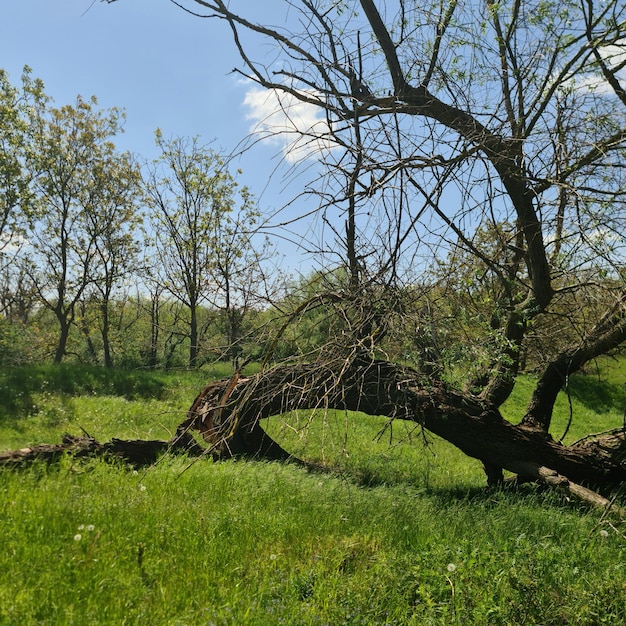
(402, 532)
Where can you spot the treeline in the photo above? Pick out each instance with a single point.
(142, 333)
(109, 258)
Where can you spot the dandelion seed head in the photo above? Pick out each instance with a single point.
(604, 533)
(451, 567)
(77, 537)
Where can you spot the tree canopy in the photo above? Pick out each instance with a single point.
(78, 220)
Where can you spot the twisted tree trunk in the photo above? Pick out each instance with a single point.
(228, 415)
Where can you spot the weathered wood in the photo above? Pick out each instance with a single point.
(228, 415)
(136, 452)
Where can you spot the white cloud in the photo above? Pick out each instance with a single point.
(300, 128)
(613, 56)
(11, 243)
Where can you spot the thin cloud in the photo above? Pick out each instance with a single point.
(299, 128)
(614, 56)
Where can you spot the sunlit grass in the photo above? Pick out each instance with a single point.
(401, 532)
(260, 543)
(39, 404)
(374, 450)
(593, 402)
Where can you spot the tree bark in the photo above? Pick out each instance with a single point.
(64, 334)
(228, 413)
(193, 335)
(106, 326)
(136, 452)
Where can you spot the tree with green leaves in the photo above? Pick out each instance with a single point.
(113, 222)
(203, 224)
(80, 185)
(18, 110)
(241, 281)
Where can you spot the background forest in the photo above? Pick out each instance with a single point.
(109, 260)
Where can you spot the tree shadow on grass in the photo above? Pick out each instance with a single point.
(19, 385)
(597, 395)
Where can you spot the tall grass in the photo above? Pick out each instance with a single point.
(258, 543)
(402, 533)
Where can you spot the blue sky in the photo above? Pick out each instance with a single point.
(166, 68)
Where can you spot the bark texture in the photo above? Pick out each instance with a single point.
(135, 452)
(228, 415)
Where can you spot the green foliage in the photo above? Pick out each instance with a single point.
(204, 226)
(82, 196)
(129, 335)
(71, 239)
(14, 348)
(303, 321)
(16, 107)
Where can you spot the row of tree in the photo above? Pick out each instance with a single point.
(83, 225)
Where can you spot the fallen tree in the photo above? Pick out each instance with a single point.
(134, 452)
(228, 414)
(472, 169)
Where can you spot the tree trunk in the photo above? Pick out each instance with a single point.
(106, 341)
(86, 331)
(136, 452)
(193, 336)
(153, 354)
(227, 413)
(64, 326)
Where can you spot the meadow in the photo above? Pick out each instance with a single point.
(402, 531)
